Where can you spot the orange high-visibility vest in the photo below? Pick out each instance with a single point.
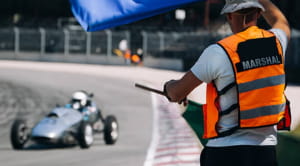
(258, 64)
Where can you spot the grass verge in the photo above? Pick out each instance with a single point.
(288, 148)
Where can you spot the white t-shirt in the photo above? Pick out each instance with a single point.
(215, 65)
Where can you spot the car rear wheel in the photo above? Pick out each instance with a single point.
(85, 137)
(19, 134)
(111, 129)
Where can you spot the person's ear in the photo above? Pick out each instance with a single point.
(258, 15)
(229, 16)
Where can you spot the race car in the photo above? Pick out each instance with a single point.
(75, 123)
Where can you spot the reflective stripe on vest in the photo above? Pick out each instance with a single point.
(262, 83)
(257, 61)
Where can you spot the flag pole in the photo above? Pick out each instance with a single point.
(149, 89)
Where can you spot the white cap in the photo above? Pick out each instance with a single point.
(235, 5)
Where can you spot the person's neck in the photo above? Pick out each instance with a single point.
(244, 27)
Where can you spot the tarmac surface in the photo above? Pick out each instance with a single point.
(31, 89)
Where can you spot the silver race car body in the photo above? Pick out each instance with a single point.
(58, 126)
(65, 125)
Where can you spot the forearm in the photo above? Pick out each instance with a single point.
(275, 17)
(177, 90)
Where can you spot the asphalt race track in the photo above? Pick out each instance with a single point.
(31, 89)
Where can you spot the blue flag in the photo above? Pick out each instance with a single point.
(96, 15)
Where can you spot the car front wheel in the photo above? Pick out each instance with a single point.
(19, 134)
(85, 136)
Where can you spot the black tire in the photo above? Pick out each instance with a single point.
(19, 134)
(85, 135)
(111, 129)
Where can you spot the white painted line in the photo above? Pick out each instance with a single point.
(155, 136)
(173, 142)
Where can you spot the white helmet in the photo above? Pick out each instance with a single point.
(79, 99)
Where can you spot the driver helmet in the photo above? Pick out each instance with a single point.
(79, 100)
